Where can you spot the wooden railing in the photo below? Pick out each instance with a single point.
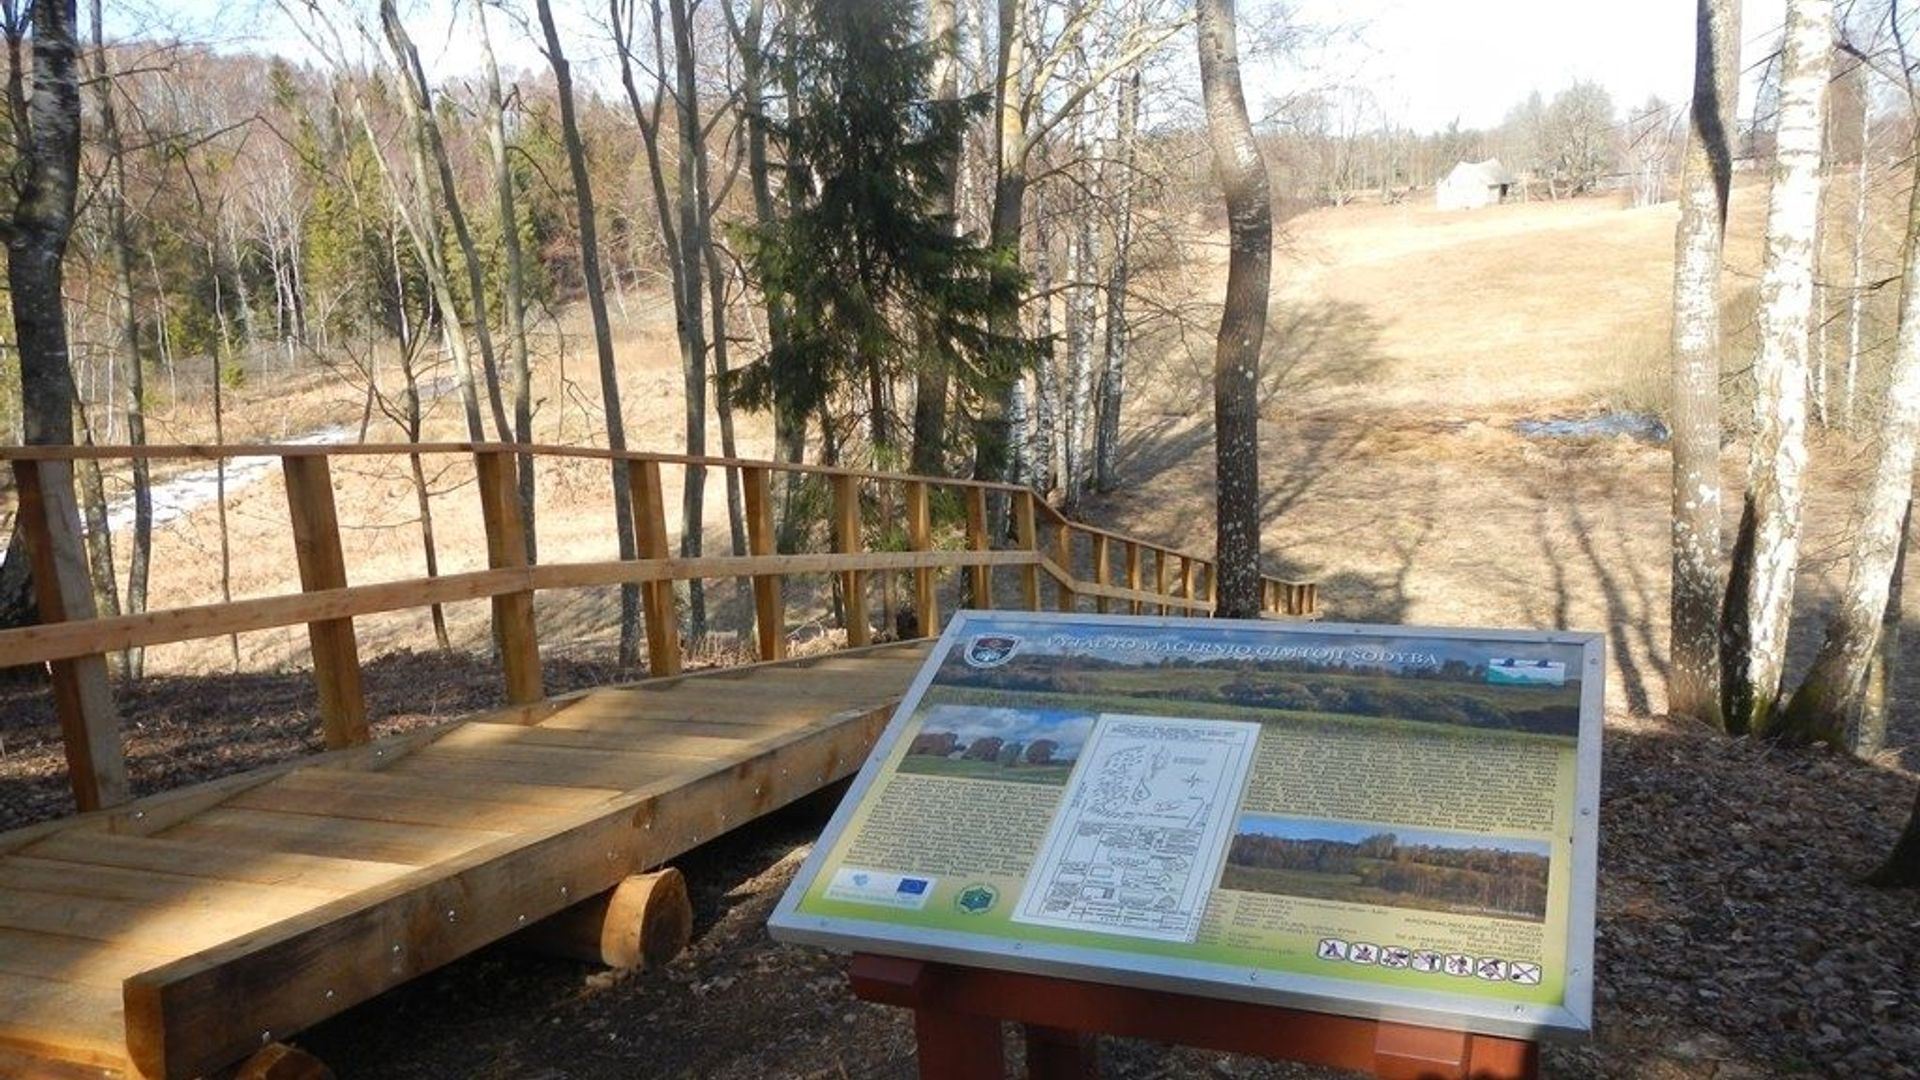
(76, 642)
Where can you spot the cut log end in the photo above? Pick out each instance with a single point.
(278, 1061)
(641, 923)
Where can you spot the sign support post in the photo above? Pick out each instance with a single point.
(958, 1012)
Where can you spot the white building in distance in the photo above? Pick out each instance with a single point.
(1473, 184)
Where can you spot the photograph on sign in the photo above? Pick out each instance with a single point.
(1373, 820)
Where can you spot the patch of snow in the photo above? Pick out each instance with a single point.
(181, 495)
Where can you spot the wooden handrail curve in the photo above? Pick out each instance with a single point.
(1154, 577)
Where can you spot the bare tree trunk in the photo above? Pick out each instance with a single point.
(516, 281)
(1047, 372)
(1777, 464)
(1079, 377)
(694, 242)
(120, 246)
(433, 264)
(932, 378)
(1902, 868)
(45, 178)
(991, 439)
(1113, 374)
(789, 424)
(602, 331)
(99, 541)
(723, 409)
(1693, 682)
(1857, 299)
(1243, 321)
(1083, 315)
(1834, 690)
(224, 347)
(1868, 734)
(1020, 424)
(419, 100)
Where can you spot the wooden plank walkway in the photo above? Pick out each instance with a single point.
(174, 936)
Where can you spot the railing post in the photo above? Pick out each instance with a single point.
(853, 583)
(1213, 588)
(513, 628)
(1133, 575)
(1029, 538)
(316, 546)
(650, 530)
(1063, 557)
(1160, 575)
(1100, 570)
(926, 602)
(1186, 582)
(981, 577)
(89, 726)
(769, 617)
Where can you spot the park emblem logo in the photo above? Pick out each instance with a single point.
(991, 650)
(976, 899)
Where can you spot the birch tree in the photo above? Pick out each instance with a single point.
(1693, 684)
(1834, 692)
(1857, 295)
(1117, 182)
(1243, 322)
(1778, 459)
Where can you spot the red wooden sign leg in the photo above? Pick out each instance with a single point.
(958, 1046)
(1059, 1054)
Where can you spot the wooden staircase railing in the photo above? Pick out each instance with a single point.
(75, 641)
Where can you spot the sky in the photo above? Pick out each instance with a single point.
(1430, 62)
(1426, 63)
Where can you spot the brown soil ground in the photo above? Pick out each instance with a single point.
(1734, 939)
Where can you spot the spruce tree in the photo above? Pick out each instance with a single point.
(876, 284)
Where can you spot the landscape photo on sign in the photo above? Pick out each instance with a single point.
(1246, 675)
(1364, 863)
(1023, 746)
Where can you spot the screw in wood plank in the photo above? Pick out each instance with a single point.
(452, 916)
(396, 950)
(329, 995)
(138, 814)
(266, 1037)
(563, 890)
(520, 919)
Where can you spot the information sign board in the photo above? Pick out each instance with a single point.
(1380, 821)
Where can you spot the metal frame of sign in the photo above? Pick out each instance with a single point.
(1571, 1018)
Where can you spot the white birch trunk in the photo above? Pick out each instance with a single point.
(1114, 377)
(1857, 300)
(1047, 370)
(1777, 466)
(1835, 688)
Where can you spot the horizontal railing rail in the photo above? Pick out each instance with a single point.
(75, 641)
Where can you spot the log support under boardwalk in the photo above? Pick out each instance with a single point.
(278, 1061)
(641, 923)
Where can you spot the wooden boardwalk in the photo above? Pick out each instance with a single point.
(176, 935)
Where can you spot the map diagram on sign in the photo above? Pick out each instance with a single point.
(1140, 833)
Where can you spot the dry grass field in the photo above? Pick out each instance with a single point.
(1390, 464)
